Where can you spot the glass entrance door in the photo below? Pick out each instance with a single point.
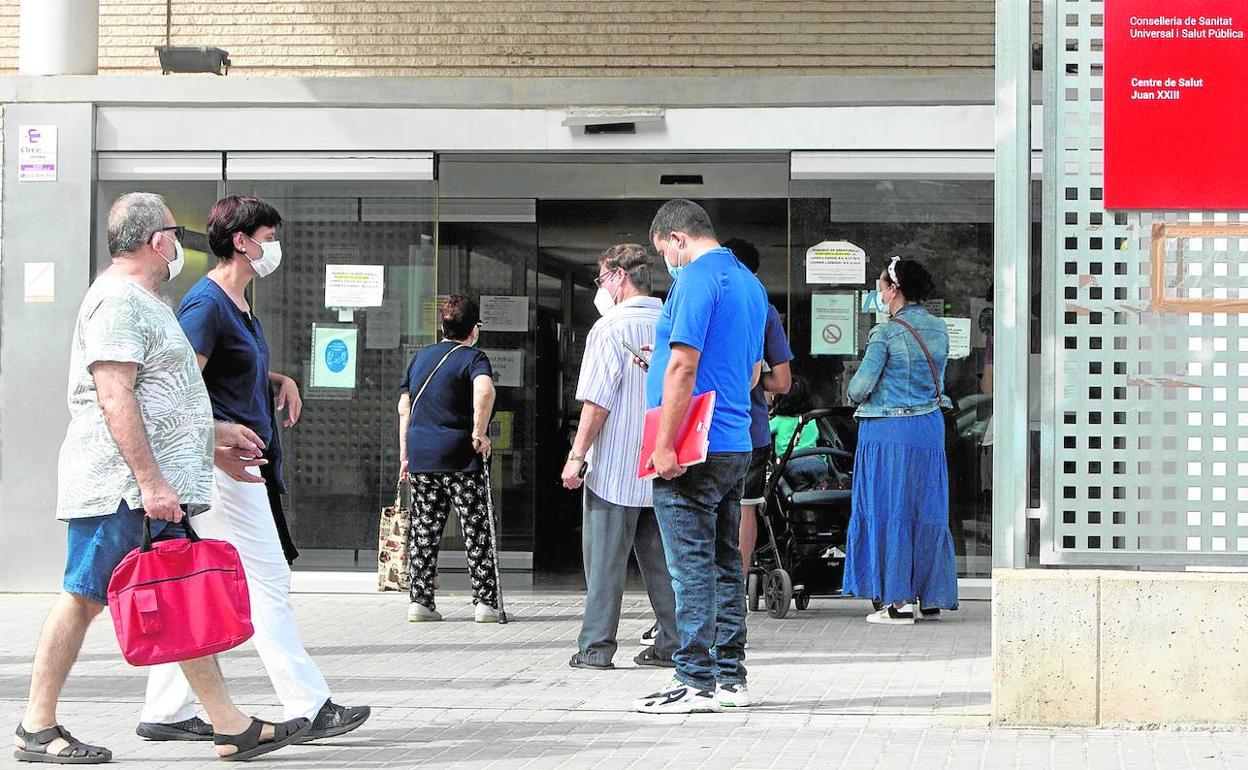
(342, 458)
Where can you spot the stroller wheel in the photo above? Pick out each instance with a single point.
(752, 590)
(801, 601)
(778, 593)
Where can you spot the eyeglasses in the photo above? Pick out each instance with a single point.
(604, 276)
(179, 231)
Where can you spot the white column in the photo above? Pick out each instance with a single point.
(1012, 293)
(59, 37)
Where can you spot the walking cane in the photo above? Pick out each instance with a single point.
(489, 505)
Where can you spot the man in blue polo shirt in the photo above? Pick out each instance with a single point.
(709, 338)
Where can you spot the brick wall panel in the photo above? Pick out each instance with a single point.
(546, 38)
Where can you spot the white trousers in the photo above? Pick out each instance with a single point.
(241, 516)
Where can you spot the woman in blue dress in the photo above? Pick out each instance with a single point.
(900, 550)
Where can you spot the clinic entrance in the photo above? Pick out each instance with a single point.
(575, 207)
(522, 233)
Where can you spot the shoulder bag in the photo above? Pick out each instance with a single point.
(930, 362)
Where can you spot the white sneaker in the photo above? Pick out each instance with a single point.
(733, 696)
(485, 614)
(676, 697)
(419, 613)
(921, 613)
(648, 637)
(892, 616)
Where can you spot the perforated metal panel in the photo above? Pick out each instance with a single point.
(1146, 401)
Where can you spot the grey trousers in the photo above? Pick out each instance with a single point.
(609, 532)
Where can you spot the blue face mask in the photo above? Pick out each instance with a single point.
(874, 303)
(673, 270)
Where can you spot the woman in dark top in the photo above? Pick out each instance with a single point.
(246, 397)
(445, 405)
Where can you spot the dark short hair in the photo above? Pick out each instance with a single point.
(632, 258)
(795, 403)
(913, 280)
(459, 314)
(237, 214)
(744, 251)
(681, 216)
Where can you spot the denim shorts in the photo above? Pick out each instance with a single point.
(97, 544)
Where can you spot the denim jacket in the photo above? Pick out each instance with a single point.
(894, 378)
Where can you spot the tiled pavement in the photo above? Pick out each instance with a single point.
(836, 693)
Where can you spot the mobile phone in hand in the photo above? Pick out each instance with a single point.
(640, 356)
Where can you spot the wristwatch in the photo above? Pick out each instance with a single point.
(574, 457)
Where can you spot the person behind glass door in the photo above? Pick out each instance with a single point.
(445, 404)
(900, 550)
(618, 512)
(246, 509)
(776, 381)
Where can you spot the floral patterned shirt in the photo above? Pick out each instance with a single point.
(121, 321)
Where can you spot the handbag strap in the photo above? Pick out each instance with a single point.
(931, 363)
(147, 532)
(430, 377)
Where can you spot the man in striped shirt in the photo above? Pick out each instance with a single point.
(618, 516)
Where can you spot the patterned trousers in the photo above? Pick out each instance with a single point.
(433, 496)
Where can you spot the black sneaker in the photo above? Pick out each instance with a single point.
(648, 657)
(333, 720)
(193, 729)
(649, 636)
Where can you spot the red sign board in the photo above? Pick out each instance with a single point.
(1176, 104)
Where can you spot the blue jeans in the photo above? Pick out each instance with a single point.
(699, 515)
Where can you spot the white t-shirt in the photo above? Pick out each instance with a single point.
(121, 321)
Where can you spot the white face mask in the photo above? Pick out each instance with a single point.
(603, 301)
(175, 264)
(270, 257)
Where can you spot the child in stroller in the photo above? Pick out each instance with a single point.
(802, 473)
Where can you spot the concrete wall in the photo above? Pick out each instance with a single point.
(493, 38)
(1076, 647)
(42, 222)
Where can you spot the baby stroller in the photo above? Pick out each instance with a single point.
(806, 526)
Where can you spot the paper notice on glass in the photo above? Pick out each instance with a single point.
(40, 283)
(959, 337)
(836, 262)
(333, 356)
(36, 153)
(354, 285)
(385, 327)
(504, 314)
(833, 325)
(508, 367)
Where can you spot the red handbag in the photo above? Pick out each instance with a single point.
(179, 599)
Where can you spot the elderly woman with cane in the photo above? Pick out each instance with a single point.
(445, 405)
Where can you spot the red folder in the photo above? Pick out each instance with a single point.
(692, 440)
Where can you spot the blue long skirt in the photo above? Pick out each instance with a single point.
(899, 545)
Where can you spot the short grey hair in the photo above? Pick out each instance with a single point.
(633, 259)
(132, 220)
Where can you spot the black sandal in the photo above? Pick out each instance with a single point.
(76, 753)
(250, 745)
